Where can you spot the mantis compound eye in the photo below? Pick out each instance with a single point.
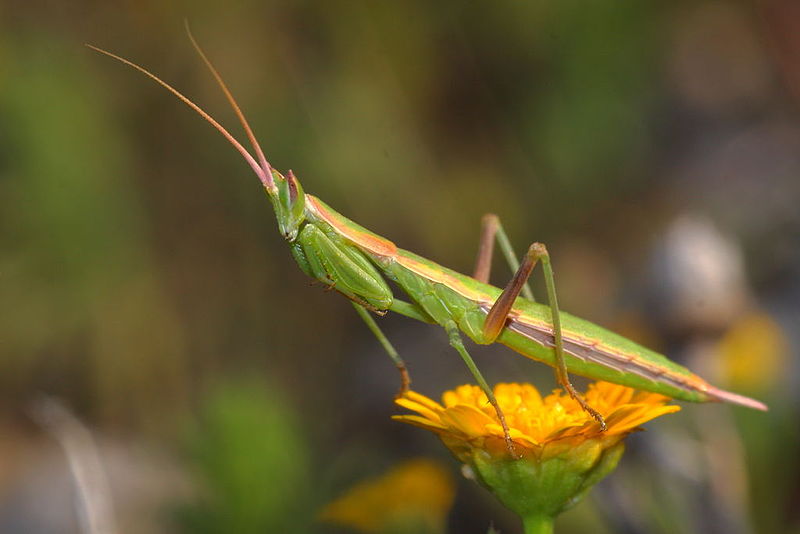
(293, 185)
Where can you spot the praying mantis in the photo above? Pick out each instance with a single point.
(358, 264)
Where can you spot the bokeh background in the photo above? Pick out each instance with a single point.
(164, 362)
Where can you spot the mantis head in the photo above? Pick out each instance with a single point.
(289, 202)
(285, 192)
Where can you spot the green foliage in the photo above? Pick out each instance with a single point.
(252, 463)
(590, 129)
(78, 282)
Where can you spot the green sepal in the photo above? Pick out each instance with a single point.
(546, 485)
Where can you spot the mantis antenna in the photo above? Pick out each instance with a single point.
(253, 141)
(263, 173)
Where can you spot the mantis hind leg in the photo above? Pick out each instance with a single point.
(498, 314)
(405, 379)
(491, 231)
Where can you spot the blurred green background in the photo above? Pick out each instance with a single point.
(654, 146)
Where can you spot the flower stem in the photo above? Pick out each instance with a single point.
(537, 524)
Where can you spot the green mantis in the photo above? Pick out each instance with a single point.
(359, 264)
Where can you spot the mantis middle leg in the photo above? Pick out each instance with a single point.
(433, 306)
(457, 343)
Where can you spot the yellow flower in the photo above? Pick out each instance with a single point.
(562, 451)
(465, 420)
(413, 497)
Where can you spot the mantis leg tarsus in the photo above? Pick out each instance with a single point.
(457, 343)
(498, 315)
(405, 378)
(565, 383)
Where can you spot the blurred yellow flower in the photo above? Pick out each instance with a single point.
(754, 352)
(413, 497)
(538, 425)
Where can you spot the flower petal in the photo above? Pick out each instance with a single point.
(423, 400)
(420, 422)
(628, 417)
(422, 409)
(467, 419)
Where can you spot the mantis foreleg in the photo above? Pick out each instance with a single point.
(340, 266)
(491, 230)
(497, 316)
(344, 268)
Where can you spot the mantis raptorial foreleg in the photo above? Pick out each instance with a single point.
(405, 379)
(492, 229)
(498, 314)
